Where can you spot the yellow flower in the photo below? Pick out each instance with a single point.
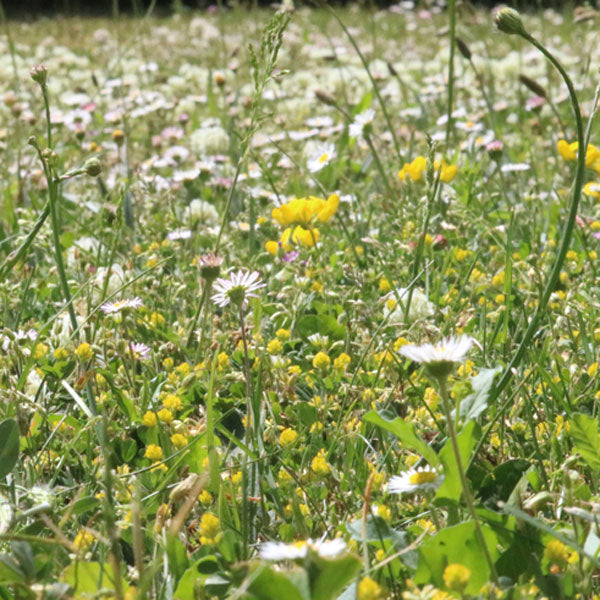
(272, 247)
(60, 354)
(321, 360)
(288, 436)
(172, 402)
(305, 237)
(84, 352)
(83, 540)
(153, 452)
(569, 152)
(165, 415)
(40, 350)
(209, 529)
(368, 589)
(384, 285)
(149, 419)
(205, 497)
(168, 363)
(305, 211)
(179, 440)
(223, 360)
(456, 577)
(319, 464)
(556, 553)
(274, 346)
(592, 369)
(283, 334)
(342, 361)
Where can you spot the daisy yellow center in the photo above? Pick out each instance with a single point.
(299, 545)
(421, 477)
(324, 158)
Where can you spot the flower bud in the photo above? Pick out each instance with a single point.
(92, 167)
(509, 21)
(534, 86)
(39, 74)
(463, 48)
(325, 98)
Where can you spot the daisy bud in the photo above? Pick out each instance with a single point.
(92, 167)
(39, 74)
(533, 85)
(463, 48)
(325, 98)
(494, 150)
(509, 21)
(210, 266)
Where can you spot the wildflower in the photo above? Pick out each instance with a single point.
(172, 402)
(237, 289)
(321, 360)
(569, 153)
(83, 540)
(209, 529)
(39, 74)
(283, 334)
(395, 302)
(456, 577)
(274, 346)
(368, 589)
(297, 550)
(288, 436)
(179, 440)
(210, 266)
(440, 359)
(139, 351)
(149, 419)
(165, 415)
(84, 352)
(422, 480)
(110, 308)
(153, 452)
(306, 211)
(362, 123)
(319, 464)
(342, 361)
(322, 156)
(417, 168)
(509, 21)
(556, 553)
(40, 351)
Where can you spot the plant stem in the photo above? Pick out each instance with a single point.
(443, 387)
(205, 292)
(452, 13)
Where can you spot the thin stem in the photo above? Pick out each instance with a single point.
(443, 387)
(566, 236)
(47, 108)
(380, 168)
(452, 13)
(205, 292)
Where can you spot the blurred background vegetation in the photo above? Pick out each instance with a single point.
(32, 9)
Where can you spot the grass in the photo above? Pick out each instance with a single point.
(167, 413)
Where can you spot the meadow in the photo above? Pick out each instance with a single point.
(300, 304)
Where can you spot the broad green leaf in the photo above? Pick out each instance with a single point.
(177, 555)
(266, 583)
(457, 544)
(377, 530)
(329, 577)
(467, 439)
(474, 404)
(9, 446)
(405, 432)
(584, 431)
(499, 484)
(197, 572)
(89, 577)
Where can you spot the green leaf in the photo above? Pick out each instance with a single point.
(377, 530)
(199, 571)
(9, 446)
(270, 584)
(584, 431)
(467, 439)
(499, 484)
(328, 577)
(177, 555)
(88, 577)
(457, 544)
(474, 404)
(405, 432)
(325, 324)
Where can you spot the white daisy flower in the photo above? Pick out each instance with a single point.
(297, 550)
(118, 305)
(449, 350)
(323, 155)
(139, 351)
(422, 480)
(360, 122)
(238, 288)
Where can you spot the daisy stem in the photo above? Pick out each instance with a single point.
(443, 387)
(452, 13)
(205, 292)
(380, 168)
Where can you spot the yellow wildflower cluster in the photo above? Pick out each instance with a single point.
(417, 168)
(304, 213)
(209, 529)
(319, 464)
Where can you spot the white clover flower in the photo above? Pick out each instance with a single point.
(395, 302)
(319, 340)
(209, 141)
(297, 550)
(203, 212)
(361, 120)
(238, 288)
(422, 480)
(321, 157)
